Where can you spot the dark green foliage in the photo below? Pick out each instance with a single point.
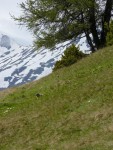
(71, 56)
(109, 38)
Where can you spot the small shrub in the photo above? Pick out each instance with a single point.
(71, 56)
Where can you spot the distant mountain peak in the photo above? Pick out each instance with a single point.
(5, 42)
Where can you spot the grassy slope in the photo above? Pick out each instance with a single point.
(74, 113)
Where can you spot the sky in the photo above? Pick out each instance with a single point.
(11, 28)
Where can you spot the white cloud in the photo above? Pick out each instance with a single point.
(9, 26)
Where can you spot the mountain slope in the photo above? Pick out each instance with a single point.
(20, 64)
(74, 111)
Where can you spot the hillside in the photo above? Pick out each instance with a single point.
(75, 111)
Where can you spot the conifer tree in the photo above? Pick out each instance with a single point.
(56, 21)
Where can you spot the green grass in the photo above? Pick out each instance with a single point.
(74, 113)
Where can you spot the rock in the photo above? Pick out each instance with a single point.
(5, 42)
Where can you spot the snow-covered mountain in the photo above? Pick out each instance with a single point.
(20, 64)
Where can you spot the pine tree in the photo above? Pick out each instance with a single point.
(56, 21)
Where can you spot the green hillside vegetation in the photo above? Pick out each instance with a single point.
(74, 112)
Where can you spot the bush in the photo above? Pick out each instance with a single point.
(71, 56)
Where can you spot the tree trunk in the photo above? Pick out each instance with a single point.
(105, 20)
(89, 40)
(93, 27)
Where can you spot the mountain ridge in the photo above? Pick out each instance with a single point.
(22, 64)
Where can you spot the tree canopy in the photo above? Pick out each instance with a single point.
(56, 21)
